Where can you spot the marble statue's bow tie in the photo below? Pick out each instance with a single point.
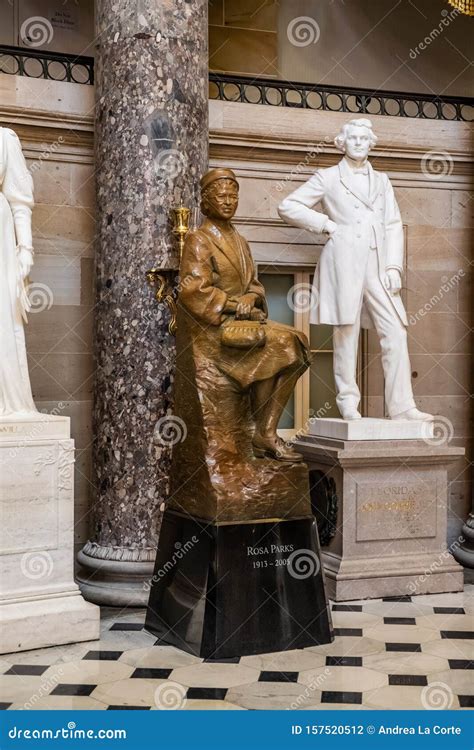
(362, 170)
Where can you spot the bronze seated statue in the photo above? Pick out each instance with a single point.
(238, 569)
(235, 373)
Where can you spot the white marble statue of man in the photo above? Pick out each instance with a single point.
(359, 276)
(16, 259)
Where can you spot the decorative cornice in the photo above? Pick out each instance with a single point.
(72, 131)
(226, 145)
(233, 137)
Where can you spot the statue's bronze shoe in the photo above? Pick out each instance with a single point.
(274, 447)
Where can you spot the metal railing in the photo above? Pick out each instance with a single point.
(44, 64)
(269, 91)
(278, 93)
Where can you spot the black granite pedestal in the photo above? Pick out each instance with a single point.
(221, 591)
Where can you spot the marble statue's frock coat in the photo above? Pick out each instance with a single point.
(16, 201)
(216, 268)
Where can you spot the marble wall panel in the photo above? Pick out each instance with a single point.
(242, 51)
(247, 14)
(466, 296)
(61, 375)
(433, 289)
(63, 222)
(455, 408)
(446, 250)
(376, 406)
(424, 206)
(258, 198)
(462, 207)
(290, 128)
(58, 278)
(438, 333)
(441, 374)
(82, 188)
(52, 179)
(216, 12)
(260, 232)
(64, 329)
(19, 96)
(243, 36)
(64, 247)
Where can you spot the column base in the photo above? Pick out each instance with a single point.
(221, 591)
(114, 582)
(55, 620)
(464, 552)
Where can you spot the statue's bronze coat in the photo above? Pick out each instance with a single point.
(214, 268)
(231, 465)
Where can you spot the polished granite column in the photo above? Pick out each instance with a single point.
(151, 148)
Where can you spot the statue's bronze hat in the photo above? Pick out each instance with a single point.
(221, 173)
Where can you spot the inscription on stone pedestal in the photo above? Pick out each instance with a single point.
(270, 555)
(396, 511)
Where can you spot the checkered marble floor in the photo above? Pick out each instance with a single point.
(388, 653)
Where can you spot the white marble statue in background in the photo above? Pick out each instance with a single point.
(359, 276)
(16, 259)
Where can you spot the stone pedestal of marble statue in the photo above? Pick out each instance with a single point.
(371, 429)
(385, 508)
(40, 604)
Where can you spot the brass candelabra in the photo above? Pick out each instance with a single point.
(181, 225)
(163, 280)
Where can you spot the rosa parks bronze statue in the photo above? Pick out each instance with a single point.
(239, 510)
(234, 375)
(219, 289)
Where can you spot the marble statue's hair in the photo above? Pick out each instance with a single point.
(361, 122)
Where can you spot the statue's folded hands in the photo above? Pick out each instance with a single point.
(245, 304)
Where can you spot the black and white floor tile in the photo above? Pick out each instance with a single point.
(388, 653)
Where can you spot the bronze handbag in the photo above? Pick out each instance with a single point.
(243, 334)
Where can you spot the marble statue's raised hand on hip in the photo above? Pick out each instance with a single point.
(16, 259)
(358, 278)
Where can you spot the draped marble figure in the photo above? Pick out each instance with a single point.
(16, 260)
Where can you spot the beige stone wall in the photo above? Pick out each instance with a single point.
(274, 149)
(54, 123)
(243, 36)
